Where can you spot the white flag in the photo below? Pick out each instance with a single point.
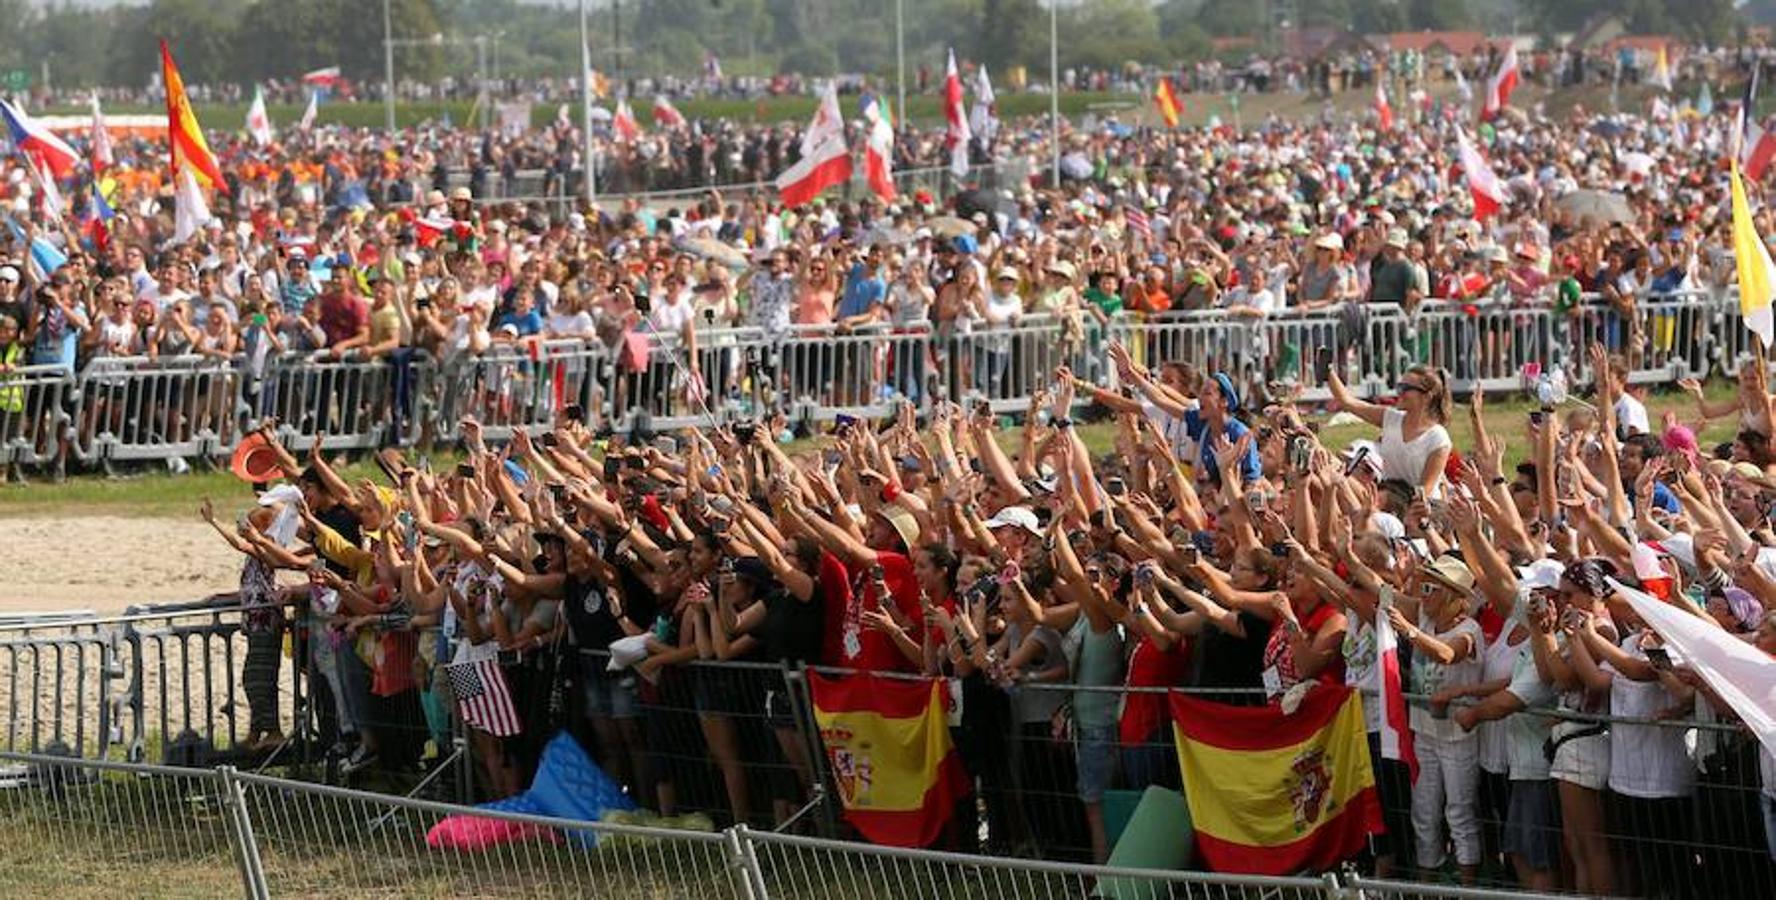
(981, 119)
(308, 115)
(258, 122)
(190, 212)
(1743, 676)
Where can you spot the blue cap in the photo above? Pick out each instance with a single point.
(965, 243)
(519, 476)
(1227, 392)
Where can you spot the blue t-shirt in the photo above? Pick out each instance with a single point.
(527, 324)
(1197, 427)
(862, 292)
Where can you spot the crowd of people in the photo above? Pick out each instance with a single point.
(1220, 546)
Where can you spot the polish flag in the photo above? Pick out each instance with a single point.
(1653, 577)
(958, 135)
(313, 110)
(624, 122)
(1504, 81)
(826, 160)
(1396, 733)
(1382, 110)
(322, 78)
(1488, 193)
(878, 153)
(102, 155)
(666, 115)
(38, 142)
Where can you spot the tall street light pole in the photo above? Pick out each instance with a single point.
(1054, 91)
(591, 178)
(388, 66)
(900, 58)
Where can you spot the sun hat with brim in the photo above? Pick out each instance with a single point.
(1451, 573)
(254, 460)
(460, 193)
(1062, 268)
(1329, 242)
(903, 523)
(1396, 237)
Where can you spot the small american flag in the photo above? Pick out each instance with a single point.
(482, 696)
(1139, 223)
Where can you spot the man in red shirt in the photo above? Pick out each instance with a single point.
(856, 573)
(344, 316)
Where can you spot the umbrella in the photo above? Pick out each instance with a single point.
(947, 227)
(1076, 165)
(1638, 163)
(715, 251)
(887, 237)
(982, 200)
(1600, 205)
(600, 114)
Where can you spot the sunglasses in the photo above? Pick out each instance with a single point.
(1413, 387)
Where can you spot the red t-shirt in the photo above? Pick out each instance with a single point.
(1143, 713)
(343, 317)
(852, 644)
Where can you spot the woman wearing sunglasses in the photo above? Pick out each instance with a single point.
(1414, 443)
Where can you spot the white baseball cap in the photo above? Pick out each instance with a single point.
(1015, 517)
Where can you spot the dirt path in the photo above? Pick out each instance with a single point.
(106, 563)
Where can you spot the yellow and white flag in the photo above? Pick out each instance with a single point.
(1757, 275)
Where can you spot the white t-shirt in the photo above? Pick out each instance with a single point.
(1631, 415)
(1430, 676)
(569, 324)
(1645, 760)
(1405, 460)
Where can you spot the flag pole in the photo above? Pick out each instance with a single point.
(388, 66)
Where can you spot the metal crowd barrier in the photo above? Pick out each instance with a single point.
(34, 403)
(220, 831)
(196, 407)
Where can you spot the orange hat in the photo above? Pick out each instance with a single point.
(254, 460)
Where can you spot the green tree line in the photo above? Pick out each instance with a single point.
(246, 40)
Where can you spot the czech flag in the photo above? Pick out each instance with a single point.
(38, 142)
(888, 744)
(1272, 793)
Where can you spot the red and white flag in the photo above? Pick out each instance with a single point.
(1396, 732)
(958, 135)
(1504, 81)
(624, 122)
(322, 78)
(102, 155)
(1756, 150)
(483, 698)
(1383, 111)
(666, 115)
(1489, 193)
(878, 151)
(48, 194)
(826, 160)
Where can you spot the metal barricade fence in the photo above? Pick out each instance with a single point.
(151, 409)
(34, 411)
(112, 827)
(186, 407)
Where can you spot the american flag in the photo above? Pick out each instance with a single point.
(1140, 224)
(482, 696)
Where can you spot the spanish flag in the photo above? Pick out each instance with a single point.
(1170, 107)
(888, 746)
(1757, 276)
(1275, 794)
(183, 133)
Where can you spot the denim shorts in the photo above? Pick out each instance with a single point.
(1096, 751)
(1532, 824)
(611, 698)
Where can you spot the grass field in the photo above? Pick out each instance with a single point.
(159, 495)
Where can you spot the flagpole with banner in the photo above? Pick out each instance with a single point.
(1757, 275)
(586, 115)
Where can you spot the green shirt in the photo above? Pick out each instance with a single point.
(1099, 665)
(1566, 295)
(1111, 304)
